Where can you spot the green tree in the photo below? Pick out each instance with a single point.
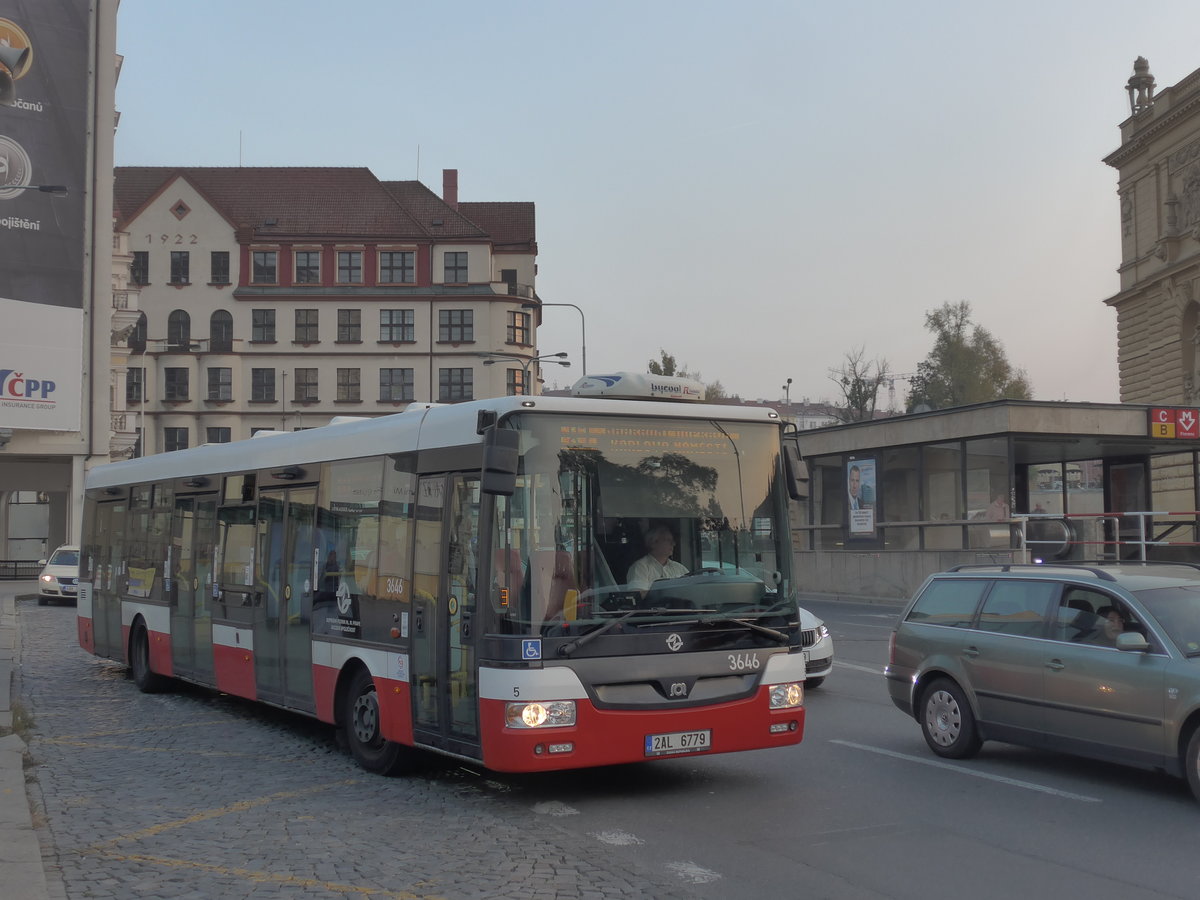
(667, 366)
(859, 381)
(966, 365)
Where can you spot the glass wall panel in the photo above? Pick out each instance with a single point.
(943, 481)
(899, 478)
(988, 492)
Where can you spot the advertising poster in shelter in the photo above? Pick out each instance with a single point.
(860, 496)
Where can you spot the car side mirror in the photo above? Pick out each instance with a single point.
(1131, 640)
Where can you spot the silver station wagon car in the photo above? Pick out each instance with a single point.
(1100, 661)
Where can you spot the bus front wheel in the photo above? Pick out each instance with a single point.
(363, 729)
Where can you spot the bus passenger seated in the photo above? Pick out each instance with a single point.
(657, 563)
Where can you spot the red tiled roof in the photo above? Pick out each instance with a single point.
(325, 201)
(507, 223)
(428, 208)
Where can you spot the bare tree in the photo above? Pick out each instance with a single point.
(859, 380)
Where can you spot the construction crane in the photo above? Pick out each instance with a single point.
(892, 378)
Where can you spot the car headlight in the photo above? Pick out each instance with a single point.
(552, 714)
(49, 579)
(822, 631)
(787, 696)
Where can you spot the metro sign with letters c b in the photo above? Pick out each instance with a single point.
(1170, 422)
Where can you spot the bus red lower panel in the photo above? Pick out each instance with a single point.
(395, 710)
(87, 637)
(603, 737)
(234, 669)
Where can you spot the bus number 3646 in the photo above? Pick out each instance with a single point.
(740, 662)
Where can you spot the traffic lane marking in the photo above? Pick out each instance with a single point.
(1001, 779)
(259, 877)
(870, 670)
(240, 806)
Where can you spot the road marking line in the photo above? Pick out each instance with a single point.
(1012, 782)
(873, 670)
(692, 873)
(240, 806)
(270, 877)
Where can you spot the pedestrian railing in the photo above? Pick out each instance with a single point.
(19, 569)
(1140, 534)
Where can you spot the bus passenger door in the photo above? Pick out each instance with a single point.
(282, 629)
(182, 594)
(443, 673)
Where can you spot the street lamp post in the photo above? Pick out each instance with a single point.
(490, 359)
(787, 389)
(535, 304)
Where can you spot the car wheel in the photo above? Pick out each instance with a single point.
(814, 682)
(363, 730)
(947, 721)
(1191, 763)
(147, 681)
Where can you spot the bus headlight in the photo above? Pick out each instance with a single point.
(552, 714)
(787, 696)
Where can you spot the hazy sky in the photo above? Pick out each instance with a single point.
(757, 187)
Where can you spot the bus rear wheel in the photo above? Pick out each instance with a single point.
(363, 729)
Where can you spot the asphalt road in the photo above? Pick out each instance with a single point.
(192, 794)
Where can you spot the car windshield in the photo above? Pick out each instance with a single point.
(64, 557)
(1177, 610)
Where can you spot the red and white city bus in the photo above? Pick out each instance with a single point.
(454, 577)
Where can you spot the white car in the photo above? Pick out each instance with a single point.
(60, 577)
(818, 649)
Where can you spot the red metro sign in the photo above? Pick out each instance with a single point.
(1173, 422)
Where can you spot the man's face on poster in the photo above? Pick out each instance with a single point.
(855, 477)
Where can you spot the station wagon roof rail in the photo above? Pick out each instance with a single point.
(1010, 567)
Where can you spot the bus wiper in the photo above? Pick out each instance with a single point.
(571, 646)
(772, 633)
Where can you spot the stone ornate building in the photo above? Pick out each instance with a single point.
(1158, 306)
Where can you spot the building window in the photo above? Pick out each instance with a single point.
(219, 272)
(349, 266)
(179, 266)
(175, 439)
(176, 387)
(305, 386)
(139, 271)
(220, 383)
(456, 325)
(397, 267)
(308, 267)
(306, 326)
(517, 383)
(262, 329)
(262, 384)
(349, 326)
(518, 328)
(456, 267)
(179, 329)
(137, 337)
(455, 384)
(395, 385)
(397, 326)
(135, 387)
(349, 384)
(217, 435)
(265, 270)
(220, 331)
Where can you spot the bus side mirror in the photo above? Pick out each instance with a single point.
(796, 471)
(501, 456)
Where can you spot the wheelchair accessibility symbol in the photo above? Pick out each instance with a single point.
(531, 649)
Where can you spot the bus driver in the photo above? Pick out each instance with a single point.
(657, 563)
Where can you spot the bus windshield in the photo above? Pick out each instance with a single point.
(656, 517)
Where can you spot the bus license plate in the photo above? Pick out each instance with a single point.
(678, 742)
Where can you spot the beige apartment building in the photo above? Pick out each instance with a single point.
(279, 298)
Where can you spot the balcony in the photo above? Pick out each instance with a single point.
(525, 291)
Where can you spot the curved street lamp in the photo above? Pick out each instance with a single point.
(536, 304)
(490, 359)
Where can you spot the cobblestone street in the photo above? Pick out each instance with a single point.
(193, 794)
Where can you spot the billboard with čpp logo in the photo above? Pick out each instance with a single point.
(41, 374)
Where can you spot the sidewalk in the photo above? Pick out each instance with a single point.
(21, 870)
